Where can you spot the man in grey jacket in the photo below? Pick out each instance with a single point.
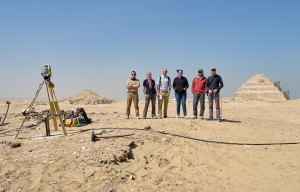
(214, 84)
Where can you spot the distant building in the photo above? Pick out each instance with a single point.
(259, 87)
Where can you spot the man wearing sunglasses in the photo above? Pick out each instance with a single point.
(214, 84)
(198, 90)
(132, 85)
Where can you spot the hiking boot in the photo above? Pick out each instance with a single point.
(127, 116)
(201, 117)
(209, 119)
(195, 117)
(159, 117)
(186, 116)
(219, 119)
(154, 117)
(165, 116)
(177, 116)
(144, 117)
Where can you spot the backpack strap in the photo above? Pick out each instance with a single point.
(159, 83)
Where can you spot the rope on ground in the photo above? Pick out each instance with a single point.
(207, 141)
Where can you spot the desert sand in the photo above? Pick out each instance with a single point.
(154, 161)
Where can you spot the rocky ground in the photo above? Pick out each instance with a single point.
(222, 159)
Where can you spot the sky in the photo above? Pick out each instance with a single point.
(95, 45)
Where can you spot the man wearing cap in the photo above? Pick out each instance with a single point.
(180, 85)
(198, 91)
(132, 85)
(214, 84)
(163, 92)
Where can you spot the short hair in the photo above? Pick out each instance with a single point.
(133, 72)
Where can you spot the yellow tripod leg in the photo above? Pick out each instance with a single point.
(55, 108)
(58, 112)
(30, 106)
(50, 99)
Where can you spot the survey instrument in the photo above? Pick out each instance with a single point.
(54, 108)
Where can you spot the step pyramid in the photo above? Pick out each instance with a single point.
(259, 87)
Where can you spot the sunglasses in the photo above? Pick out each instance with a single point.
(213, 70)
(133, 74)
(200, 71)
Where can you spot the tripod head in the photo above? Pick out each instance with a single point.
(46, 72)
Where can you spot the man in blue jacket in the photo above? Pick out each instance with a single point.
(214, 84)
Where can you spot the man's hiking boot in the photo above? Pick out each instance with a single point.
(165, 116)
(195, 117)
(219, 119)
(209, 119)
(201, 117)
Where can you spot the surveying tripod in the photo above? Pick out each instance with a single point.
(54, 108)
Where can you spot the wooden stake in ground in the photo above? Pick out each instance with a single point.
(8, 103)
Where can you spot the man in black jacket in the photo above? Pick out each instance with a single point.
(180, 84)
(214, 84)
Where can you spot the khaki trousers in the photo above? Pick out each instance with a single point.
(165, 100)
(135, 97)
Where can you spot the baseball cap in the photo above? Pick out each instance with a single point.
(213, 67)
(200, 70)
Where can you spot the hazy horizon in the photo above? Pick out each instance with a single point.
(94, 45)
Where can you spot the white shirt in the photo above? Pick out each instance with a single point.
(164, 84)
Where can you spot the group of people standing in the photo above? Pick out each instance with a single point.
(162, 89)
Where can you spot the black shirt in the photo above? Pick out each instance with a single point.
(179, 84)
(148, 90)
(214, 82)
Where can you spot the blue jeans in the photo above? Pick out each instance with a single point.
(180, 97)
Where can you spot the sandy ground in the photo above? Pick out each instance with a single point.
(156, 161)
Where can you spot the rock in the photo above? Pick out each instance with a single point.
(131, 177)
(15, 145)
(147, 127)
(98, 132)
(110, 189)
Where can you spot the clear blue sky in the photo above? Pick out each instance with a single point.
(96, 44)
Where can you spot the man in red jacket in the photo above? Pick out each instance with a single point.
(198, 90)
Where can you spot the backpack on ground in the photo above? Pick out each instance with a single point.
(82, 116)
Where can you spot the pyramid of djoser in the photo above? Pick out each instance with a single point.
(259, 87)
(87, 97)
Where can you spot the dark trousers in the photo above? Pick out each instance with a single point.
(149, 98)
(196, 98)
(211, 98)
